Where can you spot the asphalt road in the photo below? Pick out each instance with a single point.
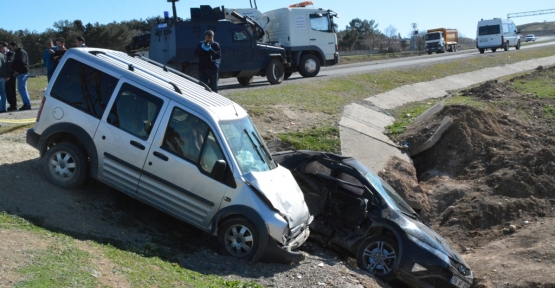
(367, 67)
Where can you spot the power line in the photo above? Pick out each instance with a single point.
(531, 13)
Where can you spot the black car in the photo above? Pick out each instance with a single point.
(357, 213)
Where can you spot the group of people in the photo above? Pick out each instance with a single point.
(14, 69)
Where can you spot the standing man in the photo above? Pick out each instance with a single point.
(20, 68)
(10, 84)
(210, 55)
(57, 56)
(80, 42)
(47, 58)
(3, 77)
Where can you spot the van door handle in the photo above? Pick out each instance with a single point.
(137, 144)
(161, 156)
(313, 39)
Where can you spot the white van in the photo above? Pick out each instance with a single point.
(167, 140)
(497, 33)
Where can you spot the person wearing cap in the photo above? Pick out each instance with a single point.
(10, 84)
(20, 67)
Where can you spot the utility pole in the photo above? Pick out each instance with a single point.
(414, 35)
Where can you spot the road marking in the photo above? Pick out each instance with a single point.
(18, 121)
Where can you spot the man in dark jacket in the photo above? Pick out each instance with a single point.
(210, 55)
(3, 77)
(20, 68)
(10, 83)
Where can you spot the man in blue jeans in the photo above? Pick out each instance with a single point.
(47, 58)
(210, 55)
(3, 77)
(20, 67)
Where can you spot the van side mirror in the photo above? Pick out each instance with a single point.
(218, 170)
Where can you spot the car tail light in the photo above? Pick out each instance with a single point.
(40, 108)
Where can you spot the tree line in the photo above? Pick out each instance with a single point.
(110, 36)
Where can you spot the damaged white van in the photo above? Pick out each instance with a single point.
(167, 140)
(497, 33)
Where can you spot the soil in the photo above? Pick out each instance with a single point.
(487, 186)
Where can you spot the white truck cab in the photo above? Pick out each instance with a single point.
(497, 33)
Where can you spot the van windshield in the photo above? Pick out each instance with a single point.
(247, 146)
(489, 30)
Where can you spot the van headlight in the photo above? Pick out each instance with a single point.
(429, 247)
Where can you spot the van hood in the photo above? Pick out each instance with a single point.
(280, 188)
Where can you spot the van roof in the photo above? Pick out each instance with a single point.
(162, 79)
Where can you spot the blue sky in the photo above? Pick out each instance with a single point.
(462, 15)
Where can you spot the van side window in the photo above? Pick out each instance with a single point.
(211, 153)
(185, 135)
(135, 111)
(84, 87)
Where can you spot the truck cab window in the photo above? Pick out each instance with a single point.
(320, 22)
(240, 36)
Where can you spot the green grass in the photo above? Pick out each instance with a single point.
(549, 112)
(36, 87)
(543, 87)
(64, 263)
(321, 139)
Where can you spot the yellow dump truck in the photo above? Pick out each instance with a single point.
(441, 40)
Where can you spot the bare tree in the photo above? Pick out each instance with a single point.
(391, 34)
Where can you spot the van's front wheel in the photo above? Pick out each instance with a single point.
(506, 46)
(239, 238)
(518, 45)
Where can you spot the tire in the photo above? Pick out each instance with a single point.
(239, 238)
(309, 65)
(275, 71)
(506, 46)
(493, 50)
(429, 53)
(65, 165)
(378, 255)
(287, 75)
(245, 81)
(481, 51)
(518, 45)
(192, 70)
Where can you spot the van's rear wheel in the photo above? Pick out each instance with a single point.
(245, 81)
(239, 238)
(309, 65)
(275, 71)
(65, 165)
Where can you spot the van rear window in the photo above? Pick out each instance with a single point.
(489, 30)
(84, 87)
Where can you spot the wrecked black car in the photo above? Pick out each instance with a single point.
(357, 213)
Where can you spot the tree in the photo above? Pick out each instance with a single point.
(365, 29)
(349, 39)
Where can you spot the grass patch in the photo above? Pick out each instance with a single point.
(549, 112)
(36, 87)
(331, 95)
(406, 114)
(542, 87)
(64, 264)
(321, 139)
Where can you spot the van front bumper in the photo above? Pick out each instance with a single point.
(284, 254)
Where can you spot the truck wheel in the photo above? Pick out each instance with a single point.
(245, 81)
(518, 45)
(287, 75)
(239, 238)
(309, 66)
(481, 51)
(274, 71)
(65, 165)
(506, 46)
(192, 70)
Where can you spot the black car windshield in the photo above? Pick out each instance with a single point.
(386, 191)
(247, 147)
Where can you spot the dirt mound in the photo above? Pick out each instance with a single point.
(493, 166)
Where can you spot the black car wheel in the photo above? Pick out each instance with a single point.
(245, 81)
(238, 237)
(275, 71)
(65, 165)
(377, 255)
(309, 65)
(192, 70)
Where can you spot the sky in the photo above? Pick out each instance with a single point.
(462, 15)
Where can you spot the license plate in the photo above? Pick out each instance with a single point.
(483, 40)
(459, 282)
